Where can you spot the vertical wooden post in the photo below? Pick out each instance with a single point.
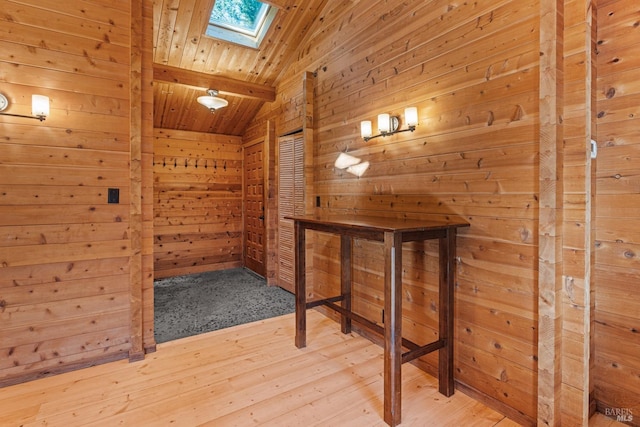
(447, 259)
(345, 281)
(136, 351)
(148, 336)
(550, 213)
(300, 285)
(271, 203)
(309, 146)
(577, 301)
(392, 328)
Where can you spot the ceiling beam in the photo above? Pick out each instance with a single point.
(224, 85)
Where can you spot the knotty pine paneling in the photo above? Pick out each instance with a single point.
(65, 253)
(617, 270)
(197, 202)
(472, 70)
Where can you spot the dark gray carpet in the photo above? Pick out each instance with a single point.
(198, 303)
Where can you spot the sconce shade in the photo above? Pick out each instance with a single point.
(345, 160)
(365, 129)
(359, 169)
(40, 106)
(211, 101)
(383, 122)
(411, 116)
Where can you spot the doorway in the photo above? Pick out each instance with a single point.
(254, 211)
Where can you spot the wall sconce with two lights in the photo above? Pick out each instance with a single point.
(39, 107)
(389, 125)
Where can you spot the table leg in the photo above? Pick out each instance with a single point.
(392, 328)
(300, 286)
(345, 282)
(447, 257)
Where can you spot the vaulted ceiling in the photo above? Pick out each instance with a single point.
(186, 63)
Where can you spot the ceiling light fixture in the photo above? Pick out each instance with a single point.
(39, 107)
(211, 101)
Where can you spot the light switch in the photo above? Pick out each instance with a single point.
(113, 195)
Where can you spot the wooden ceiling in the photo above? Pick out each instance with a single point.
(186, 63)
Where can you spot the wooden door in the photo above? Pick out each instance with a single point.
(254, 230)
(290, 202)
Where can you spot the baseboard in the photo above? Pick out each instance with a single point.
(6, 382)
(496, 405)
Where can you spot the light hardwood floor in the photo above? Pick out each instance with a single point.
(247, 375)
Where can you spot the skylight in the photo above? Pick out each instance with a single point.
(243, 22)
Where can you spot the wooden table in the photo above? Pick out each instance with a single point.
(392, 232)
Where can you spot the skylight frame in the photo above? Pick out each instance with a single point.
(241, 36)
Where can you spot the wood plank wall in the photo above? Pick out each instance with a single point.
(197, 202)
(472, 70)
(65, 253)
(489, 175)
(617, 269)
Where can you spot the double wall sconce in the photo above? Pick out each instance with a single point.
(388, 125)
(351, 164)
(39, 107)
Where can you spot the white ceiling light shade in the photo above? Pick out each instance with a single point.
(211, 101)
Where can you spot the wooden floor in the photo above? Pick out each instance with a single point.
(247, 375)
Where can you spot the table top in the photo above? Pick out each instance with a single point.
(376, 223)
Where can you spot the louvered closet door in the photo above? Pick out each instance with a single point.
(290, 202)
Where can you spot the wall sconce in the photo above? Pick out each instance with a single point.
(388, 125)
(211, 101)
(39, 107)
(351, 164)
